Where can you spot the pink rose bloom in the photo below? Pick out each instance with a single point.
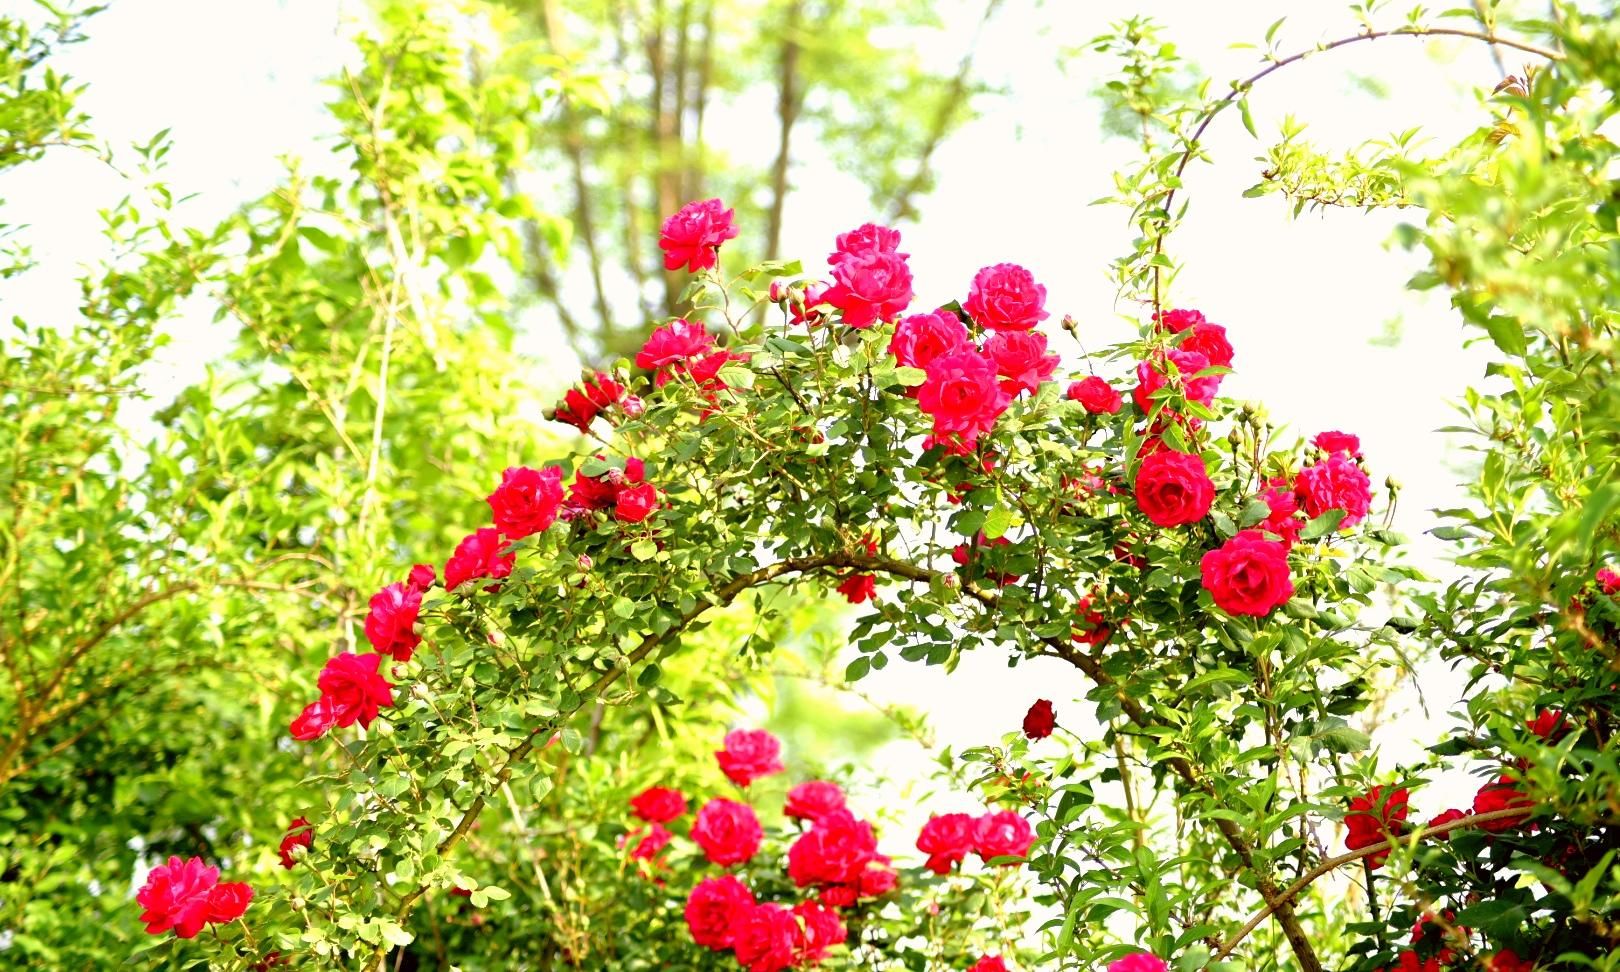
(1331, 442)
(1176, 321)
(691, 238)
(1021, 360)
(391, 622)
(749, 755)
(813, 800)
(1096, 395)
(1282, 521)
(920, 338)
(864, 239)
(1248, 574)
(175, 896)
(946, 839)
(769, 938)
(674, 343)
(1210, 341)
(1608, 581)
(963, 396)
(1139, 962)
(1151, 375)
(478, 555)
(1335, 483)
(354, 689)
(870, 286)
(1006, 297)
(1002, 834)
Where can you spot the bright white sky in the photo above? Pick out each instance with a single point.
(239, 84)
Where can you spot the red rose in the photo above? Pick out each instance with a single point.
(1138, 962)
(581, 405)
(658, 804)
(835, 850)
(1549, 724)
(1002, 834)
(921, 338)
(1093, 628)
(1006, 297)
(1021, 360)
(352, 687)
(655, 839)
(175, 896)
(715, 909)
(1039, 720)
(228, 901)
(1334, 483)
(813, 800)
(1210, 341)
(705, 372)
(838, 896)
(527, 500)
(391, 623)
(299, 834)
(804, 305)
(1508, 961)
(1176, 321)
(749, 755)
(636, 503)
(989, 963)
(1174, 368)
(858, 587)
(478, 555)
(1608, 581)
(864, 239)
(1097, 395)
(878, 879)
(1376, 817)
(1501, 795)
(1331, 442)
(962, 395)
(1282, 521)
(673, 344)
(822, 930)
(946, 839)
(964, 556)
(1173, 488)
(728, 831)
(870, 286)
(314, 721)
(1443, 818)
(691, 238)
(769, 938)
(421, 578)
(1248, 574)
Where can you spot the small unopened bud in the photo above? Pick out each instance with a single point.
(1070, 324)
(1234, 438)
(633, 406)
(585, 562)
(779, 290)
(951, 581)
(1392, 484)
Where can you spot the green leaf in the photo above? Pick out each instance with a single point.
(997, 522)
(1322, 525)
(644, 550)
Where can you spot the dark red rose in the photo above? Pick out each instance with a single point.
(1334, 483)
(1248, 574)
(749, 755)
(716, 908)
(966, 556)
(1002, 833)
(1096, 395)
(1040, 720)
(946, 839)
(1005, 297)
(1508, 961)
(391, 622)
(299, 834)
(1376, 817)
(1502, 794)
(728, 832)
(1443, 818)
(1092, 628)
(691, 238)
(658, 804)
(813, 800)
(1549, 724)
(478, 556)
(1173, 488)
